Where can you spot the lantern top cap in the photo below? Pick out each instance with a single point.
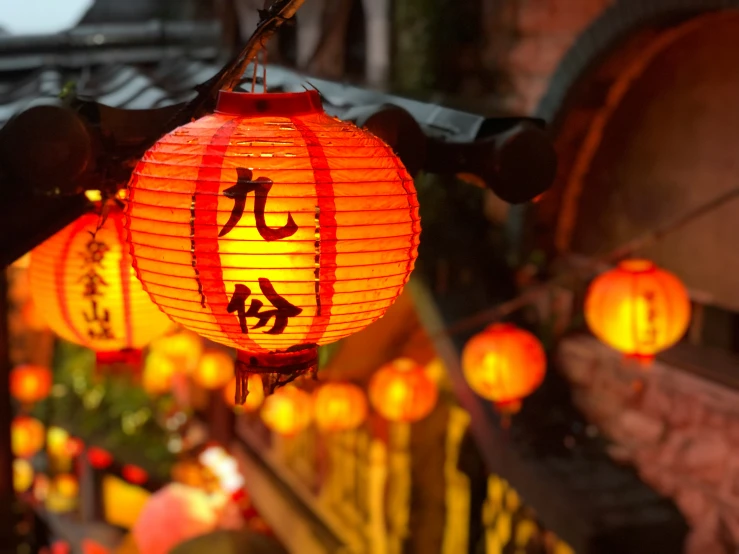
(271, 103)
(636, 265)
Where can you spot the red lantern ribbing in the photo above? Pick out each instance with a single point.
(272, 228)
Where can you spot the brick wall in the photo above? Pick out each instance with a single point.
(680, 431)
(526, 40)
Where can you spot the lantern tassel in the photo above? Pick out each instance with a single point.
(277, 368)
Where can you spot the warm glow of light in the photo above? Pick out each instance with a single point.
(401, 391)
(87, 289)
(504, 364)
(66, 485)
(56, 442)
(183, 348)
(159, 371)
(321, 249)
(30, 383)
(74, 447)
(256, 394)
(99, 459)
(122, 502)
(287, 411)
(134, 474)
(23, 475)
(638, 308)
(27, 436)
(339, 407)
(215, 370)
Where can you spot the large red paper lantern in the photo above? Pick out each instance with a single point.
(86, 288)
(272, 228)
(288, 411)
(638, 308)
(27, 436)
(339, 407)
(504, 364)
(401, 391)
(30, 383)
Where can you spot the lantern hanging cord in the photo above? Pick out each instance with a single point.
(592, 265)
(229, 77)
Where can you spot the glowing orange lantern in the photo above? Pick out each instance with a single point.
(27, 436)
(504, 364)
(158, 375)
(253, 400)
(183, 348)
(401, 391)
(56, 442)
(339, 407)
(99, 459)
(638, 308)
(134, 474)
(287, 411)
(74, 447)
(272, 228)
(23, 475)
(30, 383)
(66, 485)
(86, 287)
(215, 370)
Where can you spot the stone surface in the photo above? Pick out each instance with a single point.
(681, 433)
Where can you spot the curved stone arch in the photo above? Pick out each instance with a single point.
(586, 88)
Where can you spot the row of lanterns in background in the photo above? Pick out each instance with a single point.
(636, 308)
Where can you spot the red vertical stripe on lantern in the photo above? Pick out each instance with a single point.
(59, 277)
(206, 256)
(125, 283)
(327, 228)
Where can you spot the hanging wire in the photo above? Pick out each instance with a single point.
(592, 265)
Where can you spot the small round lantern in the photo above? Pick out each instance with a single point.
(272, 228)
(86, 287)
(215, 370)
(183, 348)
(158, 375)
(638, 309)
(339, 407)
(253, 400)
(287, 411)
(27, 436)
(99, 458)
(23, 475)
(75, 447)
(504, 364)
(30, 383)
(401, 391)
(134, 474)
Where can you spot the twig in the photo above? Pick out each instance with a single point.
(229, 77)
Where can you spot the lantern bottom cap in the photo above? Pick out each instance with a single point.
(277, 368)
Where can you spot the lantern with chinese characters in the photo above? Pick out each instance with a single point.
(287, 411)
(27, 436)
(339, 407)
(401, 391)
(214, 370)
(272, 228)
(638, 309)
(253, 400)
(504, 364)
(83, 281)
(30, 383)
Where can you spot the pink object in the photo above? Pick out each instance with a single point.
(172, 515)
